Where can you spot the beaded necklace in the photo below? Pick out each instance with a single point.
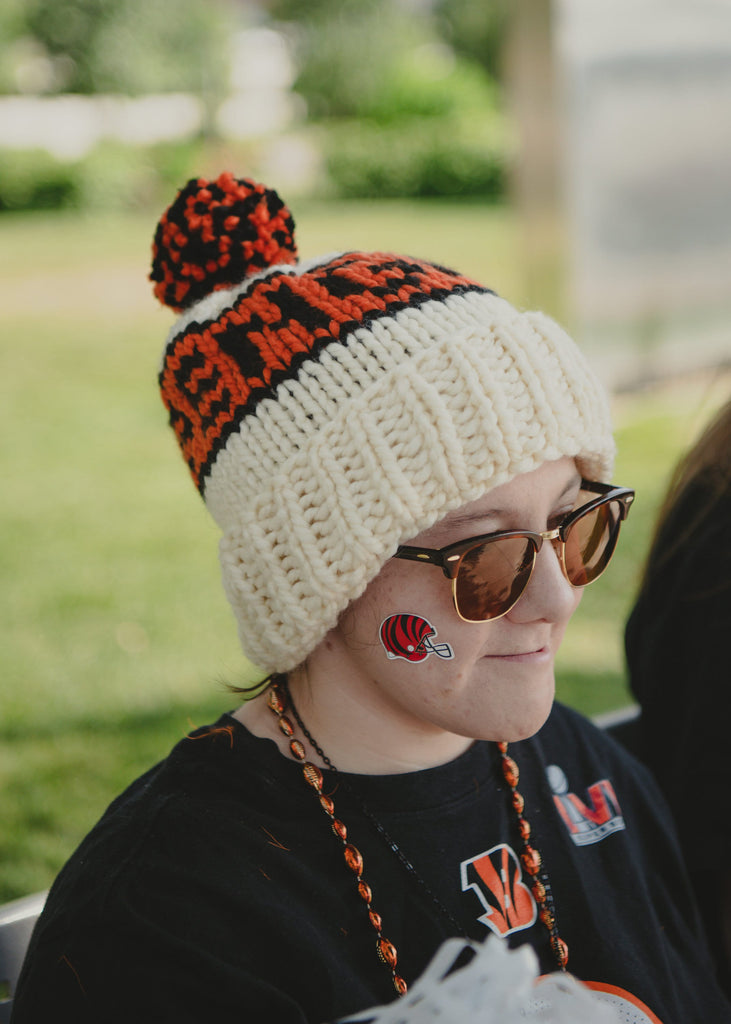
(279, 701)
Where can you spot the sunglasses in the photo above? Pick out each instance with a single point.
(489, 573)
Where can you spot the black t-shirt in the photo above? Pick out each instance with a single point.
(214, 889)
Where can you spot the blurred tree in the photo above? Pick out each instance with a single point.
(374, 59)
(132, 46)
(400, 112)
(348, 52)
(476, 29)
(12, 31)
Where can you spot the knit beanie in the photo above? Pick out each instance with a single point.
(332, 409)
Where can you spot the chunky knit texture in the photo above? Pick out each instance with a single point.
(329, 411)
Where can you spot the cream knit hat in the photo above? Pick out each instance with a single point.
(330, 411)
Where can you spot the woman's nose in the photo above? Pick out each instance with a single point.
(549, 595)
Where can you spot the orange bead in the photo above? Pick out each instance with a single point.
(275, 702)
(298, 751)
(531, 860)
(286, 726)
(511, 771)
(387, 952)
(353, 859)
(375, 920)
(400, 985)
(539, 890)
(313, 775)
(339, 829)
(327, 805)
(524, 828)
(518, 803)
(561, 951)
(364, 891)
(547, 918)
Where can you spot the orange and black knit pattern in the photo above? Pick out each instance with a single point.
(216, 371)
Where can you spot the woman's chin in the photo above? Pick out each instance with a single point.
(524, 716)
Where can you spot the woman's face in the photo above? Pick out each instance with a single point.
(494, 680)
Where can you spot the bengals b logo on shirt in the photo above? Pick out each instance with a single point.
(496, 878)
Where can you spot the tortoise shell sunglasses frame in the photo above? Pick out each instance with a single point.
(490, 572)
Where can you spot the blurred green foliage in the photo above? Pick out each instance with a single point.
(120, 46)
(33, 179)
(112, 176)
(12, 28)
(400, 113)
(436, 157)
(373, 59)
(398, 105)
(476, 29)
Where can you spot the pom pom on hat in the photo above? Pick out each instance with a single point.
(330, 411)
(217, 233)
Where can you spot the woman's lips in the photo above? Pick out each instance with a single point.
(538, 655)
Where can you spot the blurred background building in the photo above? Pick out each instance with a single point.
(645, 95)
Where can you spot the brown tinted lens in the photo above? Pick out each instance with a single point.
(492, 576)
(590, 543)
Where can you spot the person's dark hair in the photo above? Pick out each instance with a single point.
(705, 469)
(252, 689)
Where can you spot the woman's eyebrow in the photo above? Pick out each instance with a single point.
(459, 519)
(467, 518)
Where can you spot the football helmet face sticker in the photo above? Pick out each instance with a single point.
(409, 637)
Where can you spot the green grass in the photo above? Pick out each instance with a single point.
(114, 631)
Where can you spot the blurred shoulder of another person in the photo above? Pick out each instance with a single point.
(676, 644)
